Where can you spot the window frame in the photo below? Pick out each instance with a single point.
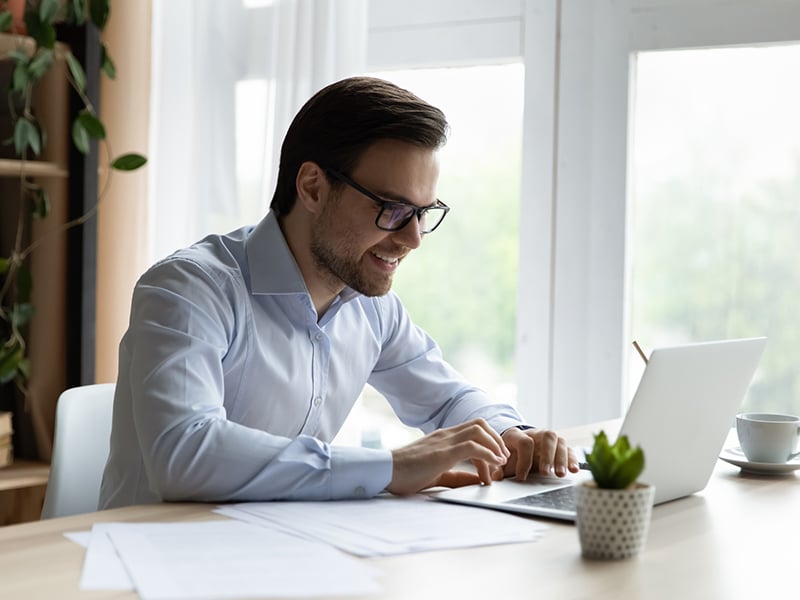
(590, 336)
(573, 338)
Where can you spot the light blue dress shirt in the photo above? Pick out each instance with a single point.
(230, 389)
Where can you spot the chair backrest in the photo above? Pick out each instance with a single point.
(80, 450)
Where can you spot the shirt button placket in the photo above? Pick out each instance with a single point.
(318, 341)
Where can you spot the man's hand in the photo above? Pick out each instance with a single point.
(539, 450)
(427, 461)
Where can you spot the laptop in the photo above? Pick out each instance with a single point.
(681, 414)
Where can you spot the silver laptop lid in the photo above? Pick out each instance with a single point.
(684, 407)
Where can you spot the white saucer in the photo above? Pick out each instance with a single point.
(735, 456)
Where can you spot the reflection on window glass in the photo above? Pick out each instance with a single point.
(461, 284)
(716, 215)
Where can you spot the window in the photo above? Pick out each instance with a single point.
(461, 284)
(716, 171)
(463, 56)
(600, 295)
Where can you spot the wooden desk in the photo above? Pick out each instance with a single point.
(736, 539)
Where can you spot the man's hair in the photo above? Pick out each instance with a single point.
(342, 120)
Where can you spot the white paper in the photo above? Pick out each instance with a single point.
(102, 568)
(218, 559)
(79, 537)
(389, 525)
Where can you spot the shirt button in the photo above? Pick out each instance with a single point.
(360, 491)
(317, 401)
(318, 337)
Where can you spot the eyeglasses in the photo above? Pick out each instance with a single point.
(393, 216)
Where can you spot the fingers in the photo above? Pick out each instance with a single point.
(553, 454)
(454, 479)
(424, 462)
(541, 450)
(547, 448)
(478, 442)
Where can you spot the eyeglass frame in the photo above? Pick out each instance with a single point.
(418, 211)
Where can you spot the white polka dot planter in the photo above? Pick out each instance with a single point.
(613, 524)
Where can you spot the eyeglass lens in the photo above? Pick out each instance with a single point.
(397, 216)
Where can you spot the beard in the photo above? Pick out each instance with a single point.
(340, 262)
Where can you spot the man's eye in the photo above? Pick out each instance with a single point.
(400, 210)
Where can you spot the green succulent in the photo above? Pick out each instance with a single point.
(616, 466)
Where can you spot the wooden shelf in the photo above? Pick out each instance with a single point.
(24, 474)
(10, 167)
(14, 41)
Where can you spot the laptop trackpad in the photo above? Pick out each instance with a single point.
(509, 489)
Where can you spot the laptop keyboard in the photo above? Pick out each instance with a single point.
(559, 499)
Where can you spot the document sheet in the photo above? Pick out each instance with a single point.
(389, 524)
(270, 548)
(218, 559)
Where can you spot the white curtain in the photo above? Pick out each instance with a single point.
(228, 76)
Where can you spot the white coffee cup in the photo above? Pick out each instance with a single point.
(768, 437)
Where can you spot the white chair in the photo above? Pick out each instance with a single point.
(80, 450)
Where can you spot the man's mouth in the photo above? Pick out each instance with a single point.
(389, 260)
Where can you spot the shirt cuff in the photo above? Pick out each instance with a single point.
(518, 426)
(501, 423)
(359, 472)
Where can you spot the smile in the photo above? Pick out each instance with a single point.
(388, 260)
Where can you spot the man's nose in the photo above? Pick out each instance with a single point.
(411, 234)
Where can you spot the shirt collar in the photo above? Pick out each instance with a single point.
(273, 269)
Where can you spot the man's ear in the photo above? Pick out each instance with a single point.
(312, 186)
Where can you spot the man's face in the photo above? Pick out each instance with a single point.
(348, 248)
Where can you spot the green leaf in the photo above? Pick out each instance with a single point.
(41, 63)
(9, 361)
(98, 12)
(78, 74)
(48, 10)
(76, 12)
(24, 368)
(129, 162)
(4, 264)
(35, 139)
(42, 32)
(80, 137)
(5, 20)
(26, 135)
(617, 466)
(80, 11)
(20, 78)
(630, 468)
(93, 126)
(107, 64)
(19, 56)
(22, 314)
(41, 206)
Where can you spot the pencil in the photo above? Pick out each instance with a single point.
(639, 350)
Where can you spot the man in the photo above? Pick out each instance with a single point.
(245, 352)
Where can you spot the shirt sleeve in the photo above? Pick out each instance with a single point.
(183, 322)
(424, 389)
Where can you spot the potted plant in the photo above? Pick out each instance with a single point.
(613, 509)
(33, 57)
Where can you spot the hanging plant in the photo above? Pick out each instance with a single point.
(32, 58)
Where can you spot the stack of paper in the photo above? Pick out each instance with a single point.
(267, 548)
(389, 525)
(217, 559)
